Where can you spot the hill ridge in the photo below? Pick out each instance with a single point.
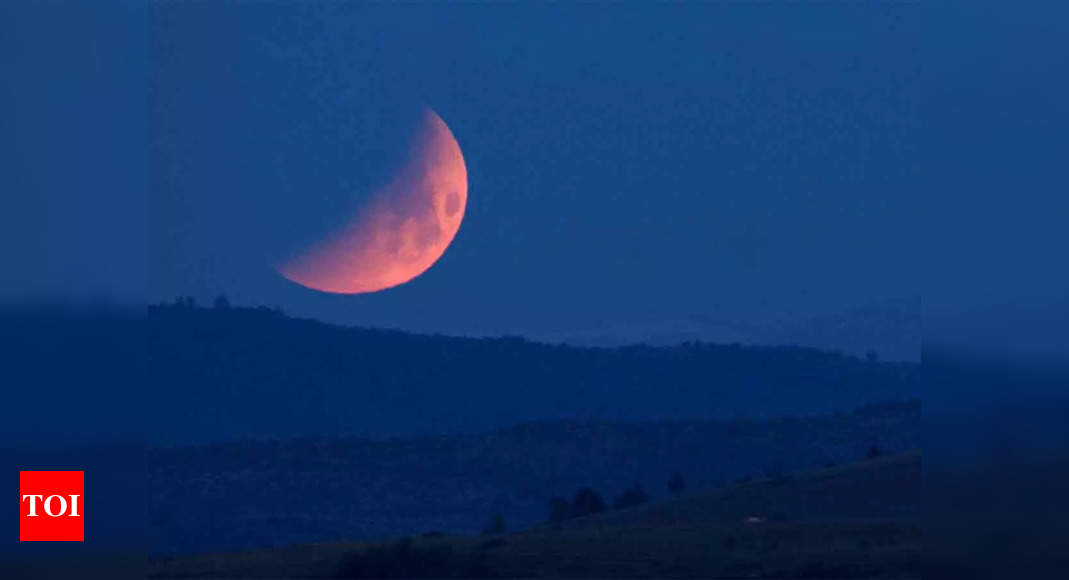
(312, 378)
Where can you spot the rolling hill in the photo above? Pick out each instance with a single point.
(231, 373)
(696, 536)
(269, 493)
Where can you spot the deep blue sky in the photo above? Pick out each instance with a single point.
(73, 162)
(747, 162)
(743, 162)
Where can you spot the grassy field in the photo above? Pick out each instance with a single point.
(702, 535)
(768, 550)
(885, 488)
(877, 549)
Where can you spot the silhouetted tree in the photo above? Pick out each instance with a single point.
(676, 484)
(497, 526)
(560, 509)
(874, 452)
(221, 302)
(872, 356)
(587, 502)
(630, 498)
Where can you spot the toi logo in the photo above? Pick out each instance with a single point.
(50, 504)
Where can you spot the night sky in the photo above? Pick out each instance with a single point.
(744, 162)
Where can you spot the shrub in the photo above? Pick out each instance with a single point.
(560, 509)
(497, 526)
(587, 502)
(630, 498)
(676, 485)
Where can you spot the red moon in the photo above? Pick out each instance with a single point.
(404, 228)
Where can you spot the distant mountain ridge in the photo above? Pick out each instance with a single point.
(890, 329)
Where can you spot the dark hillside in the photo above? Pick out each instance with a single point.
(257, 493)
(233, 373)
(697, 536)
(884, 488)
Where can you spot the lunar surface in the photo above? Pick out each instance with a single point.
(402, 230)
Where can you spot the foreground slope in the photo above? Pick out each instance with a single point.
(687, 537)
(261, 493)
(887, 488)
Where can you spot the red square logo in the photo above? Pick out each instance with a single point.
(51, 506)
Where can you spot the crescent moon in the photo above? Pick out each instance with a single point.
(404, 228)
